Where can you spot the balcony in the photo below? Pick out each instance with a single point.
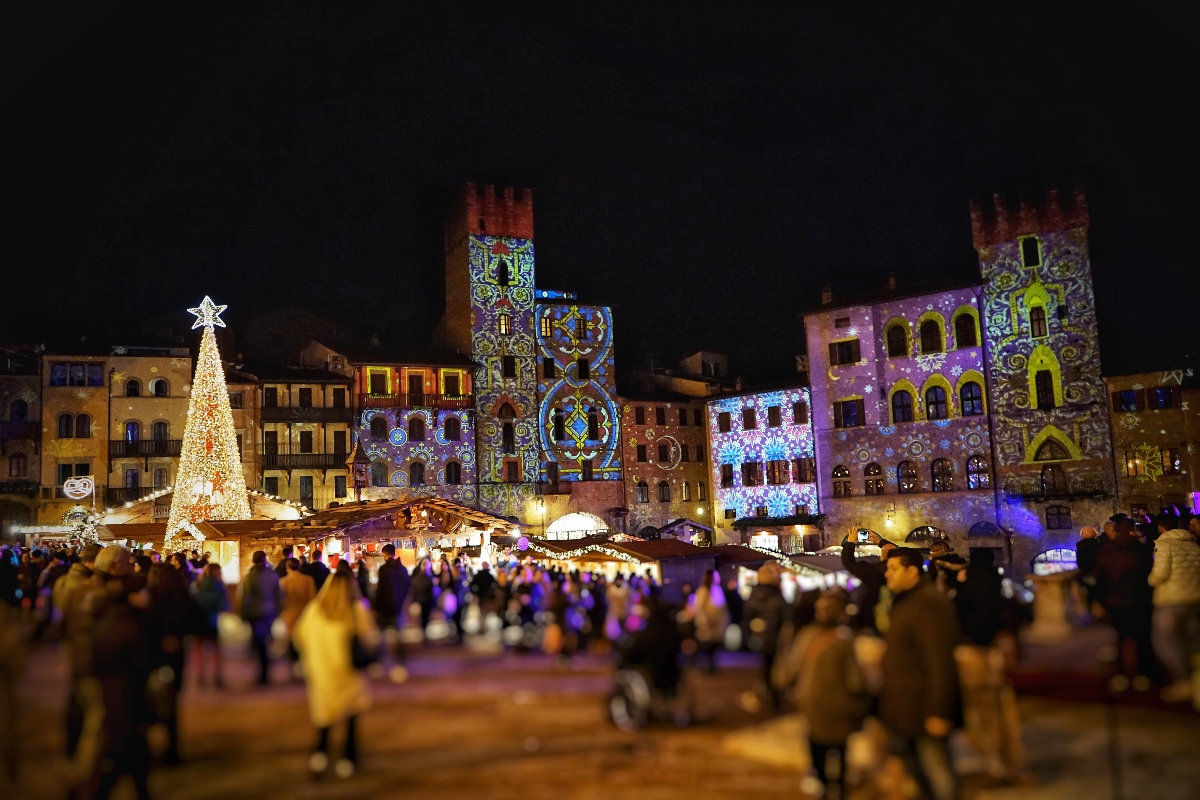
(22, 487)
(415, 400)
(14, 431)
(119, 495)
(304, 460)
(144, 448)
(306, 414)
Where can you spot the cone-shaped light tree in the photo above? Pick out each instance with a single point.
(209, 484)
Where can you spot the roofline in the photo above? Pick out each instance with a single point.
(900, 294)
(746, 392)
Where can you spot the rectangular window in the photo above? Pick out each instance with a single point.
(270, 443)
(1030, 257)
(804, 470)
(339, 486)
(271, 486)
(848, 414)
(660, 416)
(1171, 463)
(581, 328)
(95, 374)
(749, 419)
(549, 367)
(339, 398)
(236, 399)
(339, 442)
(1126, 400)
(270, 397)
(726, 476)
(65, 471)
(505, 324)
(585, 369)
(1044, 386)
(1135, 464)
(639, 415)
(585, 470)
(512, 470)
(683, 452)
(778, 472)
(544, 327)
(752, 474)
(1160, 397)
(305, 398)
(730, 513)
(377, 382)
(800, 413)
(846, 352)
(306, 441)
(699, 452)
(724, 422)
(58, 374)
(841, 322)
(450, 385)
(641, 454)
(508, 366)
(664, 453)
(774, 417)
(697, 417)
(76, 375)
(683, 417)
(552, 473)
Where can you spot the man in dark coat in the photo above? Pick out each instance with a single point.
(1086, 550)
(316, 569)
(260, 604)
(1123, 593)
(281, 567)
(919, 699)
(765, 613)
(870, 580)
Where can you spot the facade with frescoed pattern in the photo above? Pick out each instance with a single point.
(665, 451)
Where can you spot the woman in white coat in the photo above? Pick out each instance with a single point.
(336, 690)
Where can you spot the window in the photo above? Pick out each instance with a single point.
(270, 397)
(1171, 462)
(664, 492)
(505, 324)
(133, 478)
(416, 473)
(726, 476)
(971, 399)
(664, 453)
(964, 331)
(641, 454)
(67, 471)
(897, 341)
(66, 426)
(1054, 481)
(1062, 312)
(906, 478)
(593, 420)
(701, 491)
(378, 428)
(749, 419)
(978, 474)
(697, 417)
(848, 414)
(730, 513)
(58, 374)
(1051, 450)
(339, 486)
(660, 416)
(1135, 463)
(236, 399)
(160, 388)
(841, 322)
(453, 473)
(160, 431)
(306, 441)
(452, 428)
(581, 328)
(1160, 397)
(1037, 322)
(270, 443)
(931, 336)
(1058, 518)
(508, 366)
(846, 352)
(83, 427)
(339, 398)
(502, 276)
(804, 470)
(1030, 252)
(133, 388)
(552, 474)
(778, 472)
(935, 403)
(874, 479)
(133, 431)
(549, 367)
(584, 368)
(17, 465)
(699, 452)
(416, 429)
(761, 511)
(841, 482)
(559, 422)
(379, 474)
(1126, 400)
(160, 478)
(508, 438)
(544, 327)
(683, 418)
(724, 422)
(339, 443)
(774, 417)
(18, 411)
(942, 470)
(643, 492)
(683, 452)
(800, 413)
(752, 474)
(271, 484)
(95, 375)
(902, 407)
(305, 397)
(639, 415)
(686, 492)
(1043, 383)
(585, 470)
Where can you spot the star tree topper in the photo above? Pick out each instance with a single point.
(208, 314)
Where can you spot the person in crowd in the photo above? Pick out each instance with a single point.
(483, 587)
(710, 617)
(979, 598)
(317, 570)
(655, 647)
(820, 673)
(297, 590)
(213, 598)
(871, 598)
(77, 575)
(173, 618)
(281, 568)
(179, 561)
(328, 631)
(1175, 577)
(765, 613)
(1086, 551)
(260, 604)
(392, 583)
(422, 590)
(363, 575)
(947, 565)
(918, 702)
(1193, 527)
(1123, 594)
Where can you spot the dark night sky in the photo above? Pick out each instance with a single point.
(703, 171)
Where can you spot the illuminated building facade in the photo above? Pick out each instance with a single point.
(20, 436)
(74, 429)
(665, 451)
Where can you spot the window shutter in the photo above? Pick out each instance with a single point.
(837, 415)
(1116, 402)
(832, 354)
(857, 354)
(1143, 398)
(862, 418)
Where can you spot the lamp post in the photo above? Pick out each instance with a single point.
(360, 466)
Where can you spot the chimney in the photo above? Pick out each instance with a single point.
(826, 295)
(891, 280)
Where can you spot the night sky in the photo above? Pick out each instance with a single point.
(702, 171)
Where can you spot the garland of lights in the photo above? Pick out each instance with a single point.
(84, 522)
(582, 551)
(784, 562)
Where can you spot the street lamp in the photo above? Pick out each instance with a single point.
(360, 465)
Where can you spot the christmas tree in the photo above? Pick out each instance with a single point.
(209, 484)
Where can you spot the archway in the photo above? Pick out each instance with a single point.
(576, 525)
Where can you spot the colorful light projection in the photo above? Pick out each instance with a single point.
(436, 452)
(787, 442)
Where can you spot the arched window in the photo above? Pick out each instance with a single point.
(978, 474)
(874, 475)
(133, 431)
(66, 426)
(1054, 481)
(17, 465)
(506, 412)
(83, 427)
(907, 481)
(378, 428)
(453, 473)
(502, 276)
(18, 411)
(160, 431)
(133, 388)
(931, 336)
(686, 491)
(971, 399)
(841, 482)
(416, 473)
(160, 478)
(379, 473)
(1051, 450)
(902, 409)
(942, 470)
(416, 429)
(964, 331)
(159, 387)
(701, 491)
(593, 420)
(453, 429)
(643, 492)
(1058, 518)
(1037, 322)
(560, 425)
(664, 492)
(897, 341)
(935, 403)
